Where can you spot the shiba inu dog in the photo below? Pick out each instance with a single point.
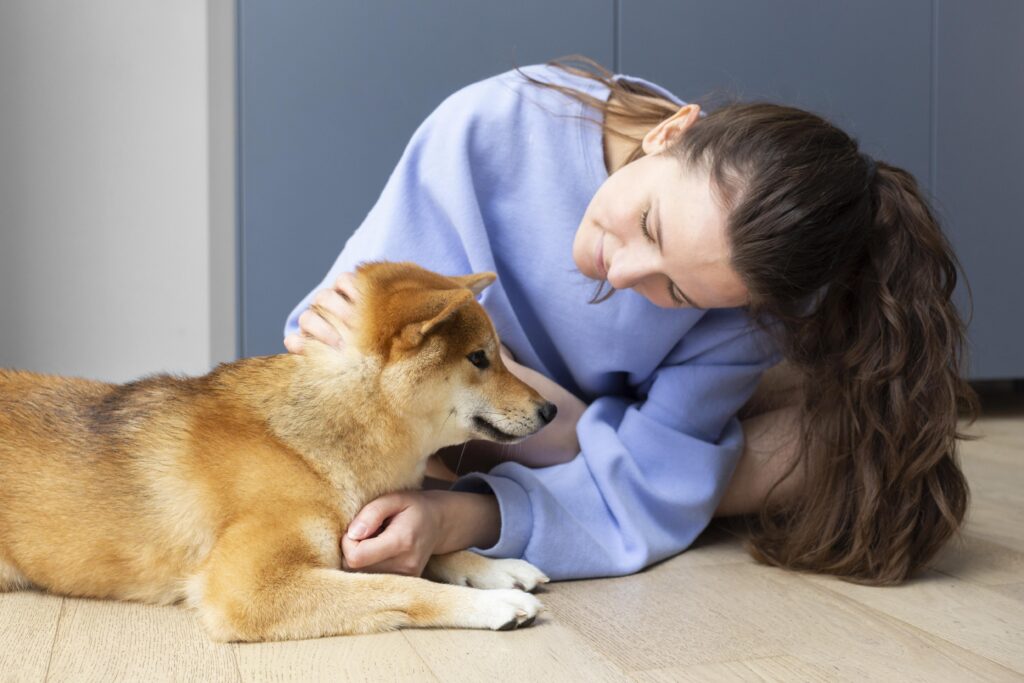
(230, 491)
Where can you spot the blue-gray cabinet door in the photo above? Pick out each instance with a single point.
(935, 87)
(330, 94)
(979, 170)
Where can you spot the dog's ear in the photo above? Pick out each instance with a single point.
(450, 300)
(475, 282)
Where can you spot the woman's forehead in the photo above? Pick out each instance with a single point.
(693, 230)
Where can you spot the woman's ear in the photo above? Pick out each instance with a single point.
(668, 132)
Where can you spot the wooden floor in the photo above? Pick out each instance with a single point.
(708, 614)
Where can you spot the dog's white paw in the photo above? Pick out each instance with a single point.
(505, 574)
(469, 569)
(504, 610)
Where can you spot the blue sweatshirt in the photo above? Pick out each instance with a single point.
(497, 178)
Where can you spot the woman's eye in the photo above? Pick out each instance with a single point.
(478, 359)
(673, 294)
(643, 226)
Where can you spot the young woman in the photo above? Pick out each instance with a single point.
(730, 240)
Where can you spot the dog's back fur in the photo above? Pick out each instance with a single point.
(231, 490)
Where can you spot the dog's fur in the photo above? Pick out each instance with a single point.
(231, 491)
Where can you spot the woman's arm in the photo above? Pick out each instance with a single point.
(467, 520)
(650, 473)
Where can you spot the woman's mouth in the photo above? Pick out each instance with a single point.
(602, 272)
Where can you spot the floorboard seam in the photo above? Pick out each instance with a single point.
(234, 657)
(53, 643)
(420, 657)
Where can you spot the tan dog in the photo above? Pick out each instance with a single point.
(231, 491)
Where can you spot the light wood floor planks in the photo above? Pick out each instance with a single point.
(709, 614)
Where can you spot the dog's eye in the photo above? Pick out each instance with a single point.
(479, 359)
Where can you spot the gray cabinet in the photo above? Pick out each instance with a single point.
(978, 170)
(331, 92)
(935, 87)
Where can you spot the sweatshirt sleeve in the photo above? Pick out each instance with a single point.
(428, 211)
(650, 472)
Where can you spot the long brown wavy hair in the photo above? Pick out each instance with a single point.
(849, 272)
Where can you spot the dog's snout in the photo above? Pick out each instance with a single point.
(547, 411)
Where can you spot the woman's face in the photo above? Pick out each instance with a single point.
(654, 227)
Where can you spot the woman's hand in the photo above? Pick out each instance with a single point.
(399, 532)
(339, 301)
(396, 533)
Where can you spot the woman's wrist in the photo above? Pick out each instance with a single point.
(466, 520)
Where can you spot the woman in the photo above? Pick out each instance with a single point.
(730, 240)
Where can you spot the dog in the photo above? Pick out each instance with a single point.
(230, 492)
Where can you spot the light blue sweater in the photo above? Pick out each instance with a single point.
(497, 178)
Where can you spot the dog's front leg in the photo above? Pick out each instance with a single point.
(464, 568)
(271, 587)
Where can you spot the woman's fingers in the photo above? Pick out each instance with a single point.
(389, 545)
(373, 536)
(373, 515)
(331, 316)
(332, 301)
(345, 284)
(293, 342)
(318, 328)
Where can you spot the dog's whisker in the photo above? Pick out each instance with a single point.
(458, 465)
(450, 413)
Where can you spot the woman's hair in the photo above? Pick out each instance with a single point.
(849, 272)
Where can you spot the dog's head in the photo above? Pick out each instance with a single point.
(439, 355)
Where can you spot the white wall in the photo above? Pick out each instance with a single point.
(116, 186)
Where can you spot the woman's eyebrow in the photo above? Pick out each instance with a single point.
(661, 250)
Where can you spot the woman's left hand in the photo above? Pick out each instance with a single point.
(396, 533)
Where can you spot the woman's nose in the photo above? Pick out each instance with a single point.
(625, 270)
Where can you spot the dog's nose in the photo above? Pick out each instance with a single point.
(547, 411)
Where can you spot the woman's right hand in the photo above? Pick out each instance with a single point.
(339, 303)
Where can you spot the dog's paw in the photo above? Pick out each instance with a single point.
(469, 569)
(505, 574)
(504, 610)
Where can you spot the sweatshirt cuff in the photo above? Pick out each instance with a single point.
(514, 506)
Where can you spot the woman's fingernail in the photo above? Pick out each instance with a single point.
(357, 531)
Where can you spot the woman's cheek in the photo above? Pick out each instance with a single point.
(655, 295)
(581, 249)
